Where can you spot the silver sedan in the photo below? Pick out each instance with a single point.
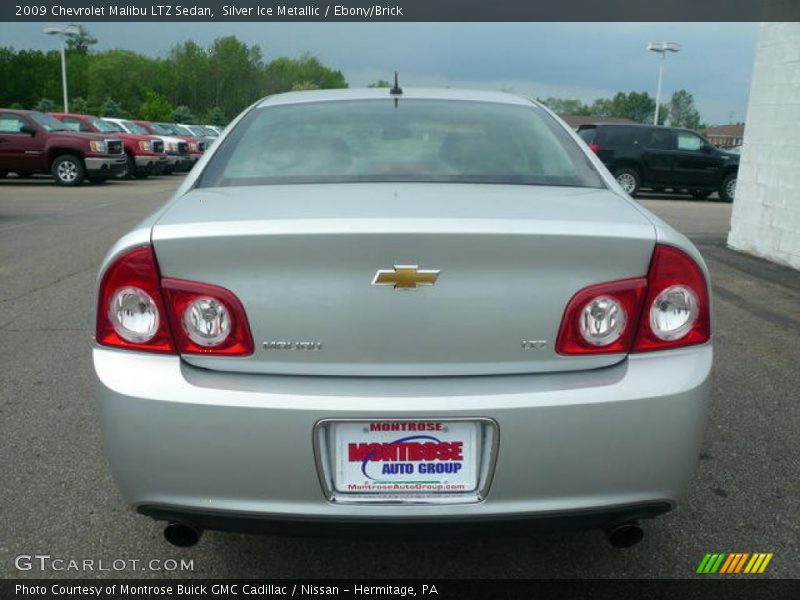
(390, 308)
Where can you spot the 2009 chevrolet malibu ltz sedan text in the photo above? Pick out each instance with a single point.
(419, 307)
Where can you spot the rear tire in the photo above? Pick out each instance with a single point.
(628, 179)
(68, 170)
(700, 194)
(727, 190)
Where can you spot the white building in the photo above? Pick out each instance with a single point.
(766, 211)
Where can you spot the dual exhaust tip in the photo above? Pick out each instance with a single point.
(186, 535)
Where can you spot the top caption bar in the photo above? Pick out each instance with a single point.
(402, 10)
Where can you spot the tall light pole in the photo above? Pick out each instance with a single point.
(662, 48)
(63, 31)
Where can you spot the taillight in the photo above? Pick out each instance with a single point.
(670, 308)
(130, 309)
(207, 319)
(594, 147)
(601, 319)
(677, 308)
(140, 311)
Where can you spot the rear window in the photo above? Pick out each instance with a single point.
(411, 141)
(620, 136)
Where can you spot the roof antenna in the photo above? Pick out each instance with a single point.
(396, 90)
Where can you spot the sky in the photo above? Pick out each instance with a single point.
(568, 60)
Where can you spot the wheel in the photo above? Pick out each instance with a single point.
(68, 170)
(727, 190)
(628, 179)
(167, 171)
(142, 175)
(700, 194)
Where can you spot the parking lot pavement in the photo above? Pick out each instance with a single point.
(57, 497)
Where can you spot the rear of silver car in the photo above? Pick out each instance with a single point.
(401, 348)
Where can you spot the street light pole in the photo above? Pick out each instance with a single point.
(662, 48)
(63, 31)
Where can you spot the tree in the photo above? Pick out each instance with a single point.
(155, 107)
(45, 105)
(182, 114)
(304, 85)
(565, 106)
(111, 108)
(79, 105)
(215, 116)
(81, 42)
(636, 106)
(381, 83)
(682, 112)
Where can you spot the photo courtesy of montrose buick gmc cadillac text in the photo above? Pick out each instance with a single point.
(388, 308)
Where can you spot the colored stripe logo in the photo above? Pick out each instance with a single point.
(734, 563)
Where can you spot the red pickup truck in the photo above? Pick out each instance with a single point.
(144, 154)
(33, 142)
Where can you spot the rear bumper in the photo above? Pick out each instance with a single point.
(232, 448)
(105, 165)
(378, 527)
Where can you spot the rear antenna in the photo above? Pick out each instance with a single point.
(396, 90)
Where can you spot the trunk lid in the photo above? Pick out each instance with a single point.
(302, 260)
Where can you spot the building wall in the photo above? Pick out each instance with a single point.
(766, 211)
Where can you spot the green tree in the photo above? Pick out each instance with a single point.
(79, 105)
(565, 106)
(81, 42)
(112, 108)
(182, 114)
(155, 107)
(215, 116)
(682, 112)
(304, 85)
(45, 105)
(381, 83)
(283, 73)
(636, 106)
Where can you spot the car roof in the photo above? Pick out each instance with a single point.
(381, 93)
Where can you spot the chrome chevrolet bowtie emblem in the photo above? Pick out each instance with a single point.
(405, 277)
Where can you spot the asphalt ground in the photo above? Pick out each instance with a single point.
(57, 497)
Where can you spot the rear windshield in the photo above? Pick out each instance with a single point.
(411, 141)
(587, 135)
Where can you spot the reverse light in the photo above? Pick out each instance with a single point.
(602, 318)
(133, 314)
(207, 319)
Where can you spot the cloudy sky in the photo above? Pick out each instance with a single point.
(574, 60)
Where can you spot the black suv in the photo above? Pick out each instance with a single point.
(660, 158)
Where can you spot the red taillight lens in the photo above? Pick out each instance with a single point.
(130, 309)
(207, 319)
(601, 319)
(668, 309)
(138, 310)
(677, 309)
(594, 147)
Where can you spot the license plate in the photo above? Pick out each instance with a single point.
(400, 457)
